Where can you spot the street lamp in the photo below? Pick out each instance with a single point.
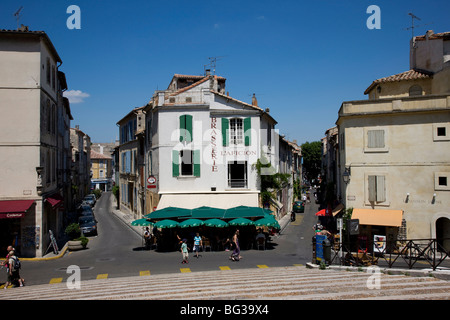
(346, 175)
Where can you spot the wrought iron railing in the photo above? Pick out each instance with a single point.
(389, 253)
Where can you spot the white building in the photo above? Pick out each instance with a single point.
(202, 145)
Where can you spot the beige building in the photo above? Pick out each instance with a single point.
(81, 164)
(34, 142)
(395, 147)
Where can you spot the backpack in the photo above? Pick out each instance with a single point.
(17, 264)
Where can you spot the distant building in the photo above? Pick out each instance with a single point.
(395, 147)
(101, 171)
(35, 183)
(81, 164)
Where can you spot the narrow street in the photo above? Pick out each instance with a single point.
(117, 252)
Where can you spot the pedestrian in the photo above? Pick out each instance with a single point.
(184, 252)
(197, 244)
(13, 270)
(235, 256)
(147, 238)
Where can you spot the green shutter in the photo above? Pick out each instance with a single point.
(186, 128)
(188, 133)
(175, 163)
(182, 127)
(248, 131)
(197, 161)
(225, 127)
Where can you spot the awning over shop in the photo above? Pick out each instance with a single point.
(338, 209)
(14, 208)
(213, 200)
(378, 217)
(55, 200)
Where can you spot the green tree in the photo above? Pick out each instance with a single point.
(271, 181)
(312, 159)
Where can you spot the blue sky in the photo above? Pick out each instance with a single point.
(302, 59)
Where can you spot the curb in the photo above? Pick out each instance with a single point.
(442, 275)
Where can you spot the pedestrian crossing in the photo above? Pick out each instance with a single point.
(147, 273)
(284, 283)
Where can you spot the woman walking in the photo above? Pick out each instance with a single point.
(236, 255)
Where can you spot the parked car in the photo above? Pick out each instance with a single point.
(88, 225)
(90, 199)
(299, 207)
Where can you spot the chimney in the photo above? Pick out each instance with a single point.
(207, 72)
(254, 101)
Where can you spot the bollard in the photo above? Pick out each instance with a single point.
(327, 251)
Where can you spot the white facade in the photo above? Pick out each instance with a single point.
(203, 143)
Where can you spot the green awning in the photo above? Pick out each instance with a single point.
(167, 223)
(169, 213)
(244, 212)
(240, 222)
(207, 213)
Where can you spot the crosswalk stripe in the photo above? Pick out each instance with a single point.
(144, 273)
(262, 266)
(55, 280)
(102, 276)
(224, 268)
(185, 270)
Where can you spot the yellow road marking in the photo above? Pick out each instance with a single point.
(185, 270)
(56, 280)
(144, 273)
(102, 276)
(224, 268)
(298, 265)
(262, 266)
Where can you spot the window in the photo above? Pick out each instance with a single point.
(186, 163)
(375, 140)
(415, 91)
(377, 189)
(186, 128)
(237, 174)
(236, 131)
(441, 180)
(48, 70)
(441, 132)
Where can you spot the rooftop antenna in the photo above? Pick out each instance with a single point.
(414, 26)
(213, 63)
(412, 23)
(17, 15)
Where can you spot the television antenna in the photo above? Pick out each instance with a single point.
(212, 63)
(413, 16)
(17, 15)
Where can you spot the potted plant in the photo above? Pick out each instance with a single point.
(76, 240)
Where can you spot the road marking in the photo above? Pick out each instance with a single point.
(185, 270)
(102, 276)
(298, 265)
(298, 221)
(224, 268)
(144, 273)
(56, 280)
(262, 266)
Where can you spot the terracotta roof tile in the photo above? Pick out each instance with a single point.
(407, 75)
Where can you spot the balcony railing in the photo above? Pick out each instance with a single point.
(237, 183)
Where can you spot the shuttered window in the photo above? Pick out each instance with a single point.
(186, 163)
(186, 128)
(236, 131)
(377, 188)
(375, 139)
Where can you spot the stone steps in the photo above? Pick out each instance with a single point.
(287, 283)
